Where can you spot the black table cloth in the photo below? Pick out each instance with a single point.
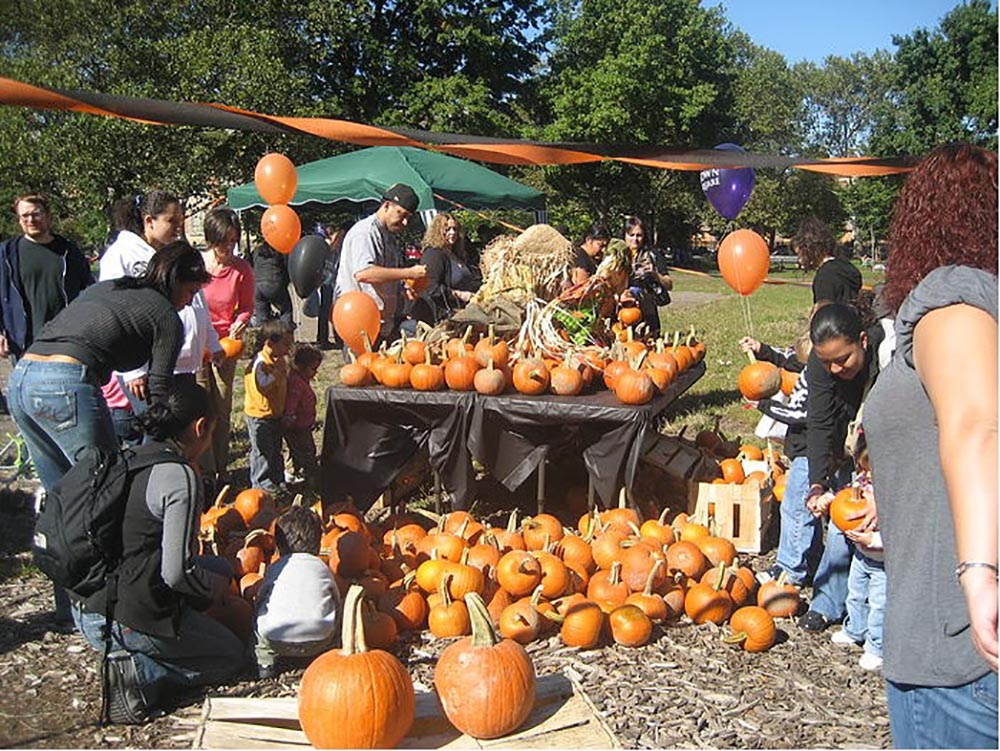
(512, 434)
(371, 434)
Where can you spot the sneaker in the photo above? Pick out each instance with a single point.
(293, 479)
(869, 661)
(124, 703)
(842, 638)
(266, 671)
(814, 621)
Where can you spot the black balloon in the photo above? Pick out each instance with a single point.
(305, 264)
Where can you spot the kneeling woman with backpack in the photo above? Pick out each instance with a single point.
(162, 638)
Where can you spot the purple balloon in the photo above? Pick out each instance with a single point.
(728, 189)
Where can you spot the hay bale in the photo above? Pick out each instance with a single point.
(535, 264)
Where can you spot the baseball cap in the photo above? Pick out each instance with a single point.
(403, 195)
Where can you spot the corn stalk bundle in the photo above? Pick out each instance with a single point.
(535, 264)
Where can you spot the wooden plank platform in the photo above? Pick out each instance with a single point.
(563, 717)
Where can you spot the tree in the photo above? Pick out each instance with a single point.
(841, 99)
(448, 64)
(944, 85)
(869, 203)
(636, 71)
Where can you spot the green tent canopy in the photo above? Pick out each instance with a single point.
(363, 176)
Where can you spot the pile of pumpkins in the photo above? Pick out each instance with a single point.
(609, 579)
(633, 370)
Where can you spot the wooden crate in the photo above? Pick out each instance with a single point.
(667, 470)
(742, 513)
(563, 717)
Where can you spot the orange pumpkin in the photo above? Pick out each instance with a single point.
(629, 315)
(489, 380)
(634, 387)
(519, 572)
(707, 602)
(753, 629)
(460, 373)
(779, 598)
(846, 504)
(566, 378)
(492, 351)
(251, 502)
(582, 625)
(232, 348)
(425, 376)
(456, 347)
(531, 377)
(759, 380)
(354, 373)
(788, 381)
(486, 685)
(732, 471)
(355, 697)
(630, 626)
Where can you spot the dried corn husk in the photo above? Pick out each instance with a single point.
(535, 264)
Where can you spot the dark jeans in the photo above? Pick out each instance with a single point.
(323, 319)
(267, 469)
(264, 298)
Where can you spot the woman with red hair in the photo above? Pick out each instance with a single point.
(931, 427)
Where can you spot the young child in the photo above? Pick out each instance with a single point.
(300, 415)
(265, 385)
(800, 543)
(298, 601)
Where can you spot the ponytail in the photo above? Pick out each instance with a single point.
(171, 416)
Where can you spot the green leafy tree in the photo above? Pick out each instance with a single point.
(637, 71)
(944, 85)
(443, 64)
(841, 99)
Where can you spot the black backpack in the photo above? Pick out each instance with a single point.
(78, 533)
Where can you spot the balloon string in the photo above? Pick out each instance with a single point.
(748, 317)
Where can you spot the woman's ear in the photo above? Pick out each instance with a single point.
(202, 426)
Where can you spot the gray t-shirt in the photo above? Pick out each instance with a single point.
(369, 243)
(927, 639)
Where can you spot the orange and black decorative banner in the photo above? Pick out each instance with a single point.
(479, 148)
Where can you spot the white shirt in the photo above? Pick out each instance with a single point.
(128, 255)
(298, 600)
(199, 335)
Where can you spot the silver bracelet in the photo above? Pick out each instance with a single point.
(966, 565)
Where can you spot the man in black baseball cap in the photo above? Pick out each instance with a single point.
(371, 261)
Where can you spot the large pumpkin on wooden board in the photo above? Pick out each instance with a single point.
(355, 697)
(486, 685)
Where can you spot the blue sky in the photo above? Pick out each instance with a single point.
(812, 29)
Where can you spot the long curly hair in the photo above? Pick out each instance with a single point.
(434, 236)
(946, 214)
(813, 242)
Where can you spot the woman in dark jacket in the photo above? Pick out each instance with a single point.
(451, 280)
(836, 278)
(842, 367)
(55, 390)
(168, 632)
(647, 286)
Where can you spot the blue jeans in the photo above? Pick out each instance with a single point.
(59, 409)
(866, 602)
(830, 583)
(944, 717)
(267, 468)
(800, 544)
(205, 652)
(126, 426)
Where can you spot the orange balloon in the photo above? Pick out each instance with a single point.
(281, 228)
(355, 314)
(275, 178)
(744, 260)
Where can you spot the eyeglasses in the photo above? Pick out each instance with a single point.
(37, 214)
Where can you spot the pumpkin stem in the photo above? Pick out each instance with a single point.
(490, 335)
(221, 496)
(427, 355)
(512, 522)
(677, 336)
(483, 633)
(721, 576)
(751, 356)
(648, 589)
(466, 335)
(366, 340)
(662, 518)
(536, 598)
(739, 638)
(352, 635)
(297, 501)
(614, 577)
(444, 588)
